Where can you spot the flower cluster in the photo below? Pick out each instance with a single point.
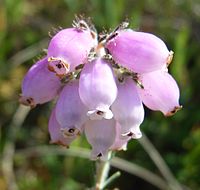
(102, 82)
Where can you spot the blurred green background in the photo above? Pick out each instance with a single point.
(24, 27)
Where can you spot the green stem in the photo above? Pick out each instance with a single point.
(102, 170)
(160, 163)
(111, 179)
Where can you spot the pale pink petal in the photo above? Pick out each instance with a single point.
(139, 51)
(120, 141)
(68, 49)
(70, 111)
(101, 135)
(128, 109)
(98, 89)
(160, 92)
(39, 85)
(56, 134)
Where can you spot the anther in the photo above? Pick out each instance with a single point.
(99, 155)
(170, 57)
(130, 134)
(100, 112)
(27, 101)
(71, 130)
(59, 65)
(67, 132)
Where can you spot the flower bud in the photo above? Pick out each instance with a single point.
(128, 109)
(98, 89)
(56, 134)
(68, 49)
(39, 85)
(139, 51)
(70, 111)
(160, 92)
(101, 135)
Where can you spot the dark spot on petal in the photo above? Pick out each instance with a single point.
(99, 155)
(59, 65)
(130, 134)
(71, 130)
(100, 112)
(28, 100)
(173, 111)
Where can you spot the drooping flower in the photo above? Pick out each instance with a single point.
(70, 48)
(98, 89)
(39, 85)
(101, 135)
(120, 142)
(70, 111)
(128, 109)
(138, 51)
(56, 133)
(160, 92)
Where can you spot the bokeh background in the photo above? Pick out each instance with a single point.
(27, 160)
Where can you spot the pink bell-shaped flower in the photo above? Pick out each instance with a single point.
(139, 51)
(98, 89)
(56, 134)
(68, 49)
(39, 85)
(120, 142)
(101, 135)
(128, 109)
(70, 111)
(160, 92)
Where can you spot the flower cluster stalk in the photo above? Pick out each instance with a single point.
(102, 171)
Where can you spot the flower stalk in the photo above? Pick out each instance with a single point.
(102, 171)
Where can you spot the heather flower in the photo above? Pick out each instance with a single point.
(128, 109)
(120, 142)
(138, 51)
(39, 85)
(160, 92)
(70, 48)
(70, 111)
(101, 86)
(56, 134)
(101, 135)
(97, 88)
